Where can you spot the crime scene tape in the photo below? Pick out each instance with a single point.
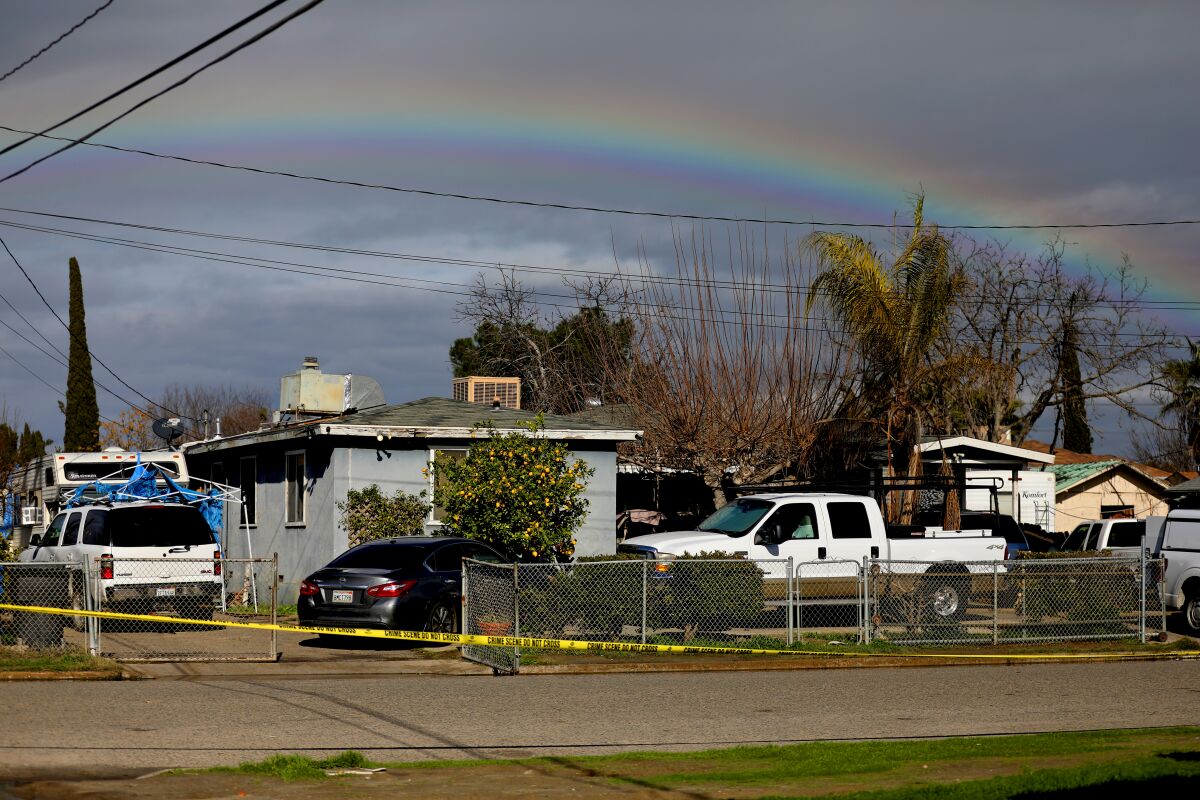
(578, 644)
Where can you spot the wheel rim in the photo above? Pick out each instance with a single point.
(441, 620)
(945, 601)
(1193, 615)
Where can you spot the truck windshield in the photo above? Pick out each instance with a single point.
(737, 517)
(1078, 537)
(157, 526)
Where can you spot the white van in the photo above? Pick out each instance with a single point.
(152, 557)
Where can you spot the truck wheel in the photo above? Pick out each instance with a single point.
(1191, 613)
(945, 594)
(78, 623)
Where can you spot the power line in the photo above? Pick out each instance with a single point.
(244, 21)
(728, 316)
(591, 209)
(97, 359)
(1168, 305)
(47, 383)
(71, 30)
(32, 327)
(309, 6)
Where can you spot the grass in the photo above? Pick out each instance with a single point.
(65, 660)
(264, 609)
(1150, 762)
(296, 767)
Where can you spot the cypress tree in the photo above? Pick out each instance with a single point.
(31, 445)
(82, 432)
(1077, 436)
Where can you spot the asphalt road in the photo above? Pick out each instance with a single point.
(70, 729)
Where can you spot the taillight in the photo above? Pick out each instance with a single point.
(106, 568)
(308, 589)
(216, 562)
(393, 589)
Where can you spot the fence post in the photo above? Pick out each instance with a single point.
(1142, 596)
(995, 602)
(791, 597)
(464, 600)
(864, 610)
(274, 605)
(516, 614)
(90, 592)
(645, 571)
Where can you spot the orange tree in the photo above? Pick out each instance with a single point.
(519, 492)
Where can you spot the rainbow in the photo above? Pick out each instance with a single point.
(750, 165)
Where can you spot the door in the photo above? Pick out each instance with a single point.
(791, 531)
(850, 536)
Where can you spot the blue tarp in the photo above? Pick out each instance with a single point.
(144, 485)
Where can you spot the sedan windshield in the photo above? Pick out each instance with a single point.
(737, 517)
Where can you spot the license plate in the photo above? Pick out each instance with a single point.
(167, 592)
(341, 596)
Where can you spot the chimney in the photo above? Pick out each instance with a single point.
(312, 363)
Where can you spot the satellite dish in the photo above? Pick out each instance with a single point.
(167, 429)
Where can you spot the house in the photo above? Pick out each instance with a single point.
(1089, 486)
(293, 473)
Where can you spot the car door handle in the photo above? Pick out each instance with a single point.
(820, 552)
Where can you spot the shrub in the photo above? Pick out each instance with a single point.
(369, 514)
(518, 492)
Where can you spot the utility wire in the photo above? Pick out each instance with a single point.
(72, 29)
(649, 310)
(593, 209)
(32, 327)
(304, 9)
(644, 279)
(97, 359)
(244, 21)
(51, 386)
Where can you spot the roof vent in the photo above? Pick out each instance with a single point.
(311, 362)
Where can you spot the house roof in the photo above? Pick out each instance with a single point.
(1067, 476)
(430, 417)
(984, 450)
(1187, 487)
(1062, 456)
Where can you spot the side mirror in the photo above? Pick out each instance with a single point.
(35, 540)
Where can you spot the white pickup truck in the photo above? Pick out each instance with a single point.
(840, 529)
(1121, 535)
(1177, 541)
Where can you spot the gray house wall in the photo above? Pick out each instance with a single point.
(333, 467)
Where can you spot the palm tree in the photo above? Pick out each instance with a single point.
(1181, 379)
(896, 314)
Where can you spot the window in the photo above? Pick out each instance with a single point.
(437, 514)
(95, 530)
(736, 518)
(795, 521)
(1116, 512)
(1093, 537)
(481, 553)
(448, 559)
(248, 480)
(71, 532)
(1078, 537)
(849, 521)
(1127, 534)
(50, 537)
(161, 526)
(295, 486)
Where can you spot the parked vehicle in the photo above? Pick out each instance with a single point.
(839, 528)
(1000, 525)
(404, 583)
(1178, 542)
(1107, 534)
(178, 567)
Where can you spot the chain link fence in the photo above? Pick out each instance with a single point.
(203, 589)
(1028, 600)
(631, 600)
(50, 586)
(829, 597)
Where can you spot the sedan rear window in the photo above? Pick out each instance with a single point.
(157, 526)
(380, 556)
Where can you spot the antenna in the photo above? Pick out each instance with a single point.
(167, 429)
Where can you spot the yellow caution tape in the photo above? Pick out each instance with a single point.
(576, 644)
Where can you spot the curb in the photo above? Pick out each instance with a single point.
(71, 675)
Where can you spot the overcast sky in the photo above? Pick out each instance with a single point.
(1002, 113)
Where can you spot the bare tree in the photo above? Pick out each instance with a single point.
(1023, 318)
(724, 374)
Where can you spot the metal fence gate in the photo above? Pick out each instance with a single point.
(235, 590)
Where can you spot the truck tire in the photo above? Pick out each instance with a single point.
(946, 590)
(1191, 613)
